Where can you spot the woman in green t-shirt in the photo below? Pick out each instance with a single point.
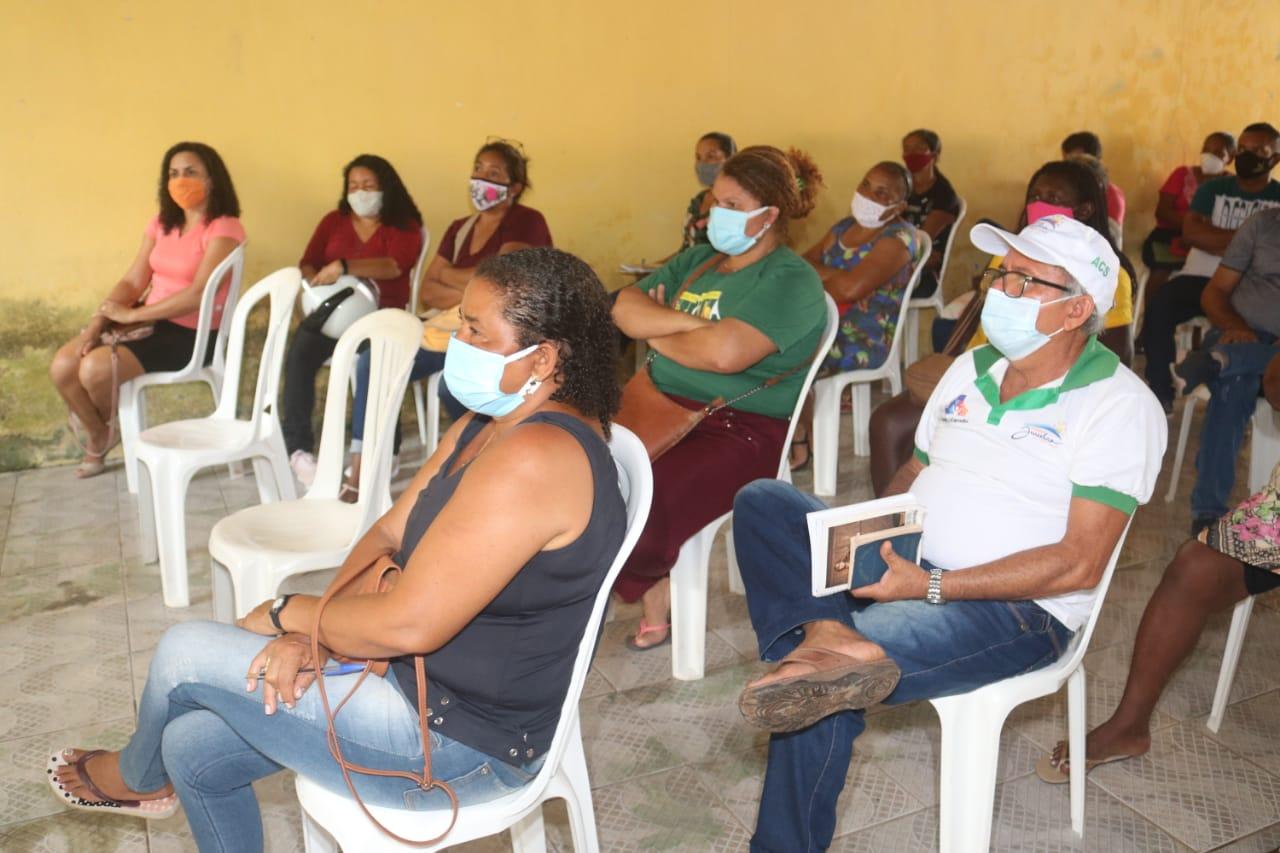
(720, 320)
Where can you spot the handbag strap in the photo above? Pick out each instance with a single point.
(966, 325)
(464, 234)
(423, 780)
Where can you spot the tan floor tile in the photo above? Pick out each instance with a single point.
(913, 833)
(24, 791)
(1266, 841)
(626, 669)
(1250, 729)
(670, 811)
(700, 720)
(76, 832)
(1194, 788)
(32, 552)
(56, 590)
(619, 743)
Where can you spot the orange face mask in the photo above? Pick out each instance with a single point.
(187, 192)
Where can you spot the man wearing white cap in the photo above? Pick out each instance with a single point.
(1031, 455)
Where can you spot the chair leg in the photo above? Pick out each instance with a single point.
(970, 756)
(314, 837)
(131, 416)
(420, 406)
(731, 557)
(1230, 659)
(689, 606)
(148, 550)
(824, 437)
(224, 605)
(1188, 410)
(861, 419)
(264, 476)
(582, 816)
(1077, 728)
(279, 459)
(251, 586)
(528, 835)
(169, 497)
(911, 333)
(895, 382)
(433, 414)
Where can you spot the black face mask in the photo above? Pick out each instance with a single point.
(1251, 165)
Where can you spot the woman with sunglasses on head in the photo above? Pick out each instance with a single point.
(197, 227)
(500, 225)
(375, 233)
(739, 320)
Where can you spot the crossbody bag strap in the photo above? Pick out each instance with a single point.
(464, 234)
(423, 780)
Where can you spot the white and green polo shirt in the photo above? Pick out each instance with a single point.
(1000, 477)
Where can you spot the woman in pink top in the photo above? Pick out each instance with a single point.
(196, 229)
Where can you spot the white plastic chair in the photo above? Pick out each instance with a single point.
(1264, 453)
(255, 549)
(1183, 339)
(689, 574)
(935, 300)
(132, 407)
(169, 454)
(971, 724)
(428, 411)
(828, 391)
(1138, 299)
(328, 816)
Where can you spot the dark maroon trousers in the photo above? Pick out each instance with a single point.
(694, 483)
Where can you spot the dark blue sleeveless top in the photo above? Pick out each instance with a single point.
(499, 684)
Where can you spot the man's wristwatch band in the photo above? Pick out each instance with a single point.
(934, 595)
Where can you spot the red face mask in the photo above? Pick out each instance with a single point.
(187, 192)
(917, 162)
(1041, 209)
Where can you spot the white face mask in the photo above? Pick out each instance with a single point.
(868, 213)
(366, 203)
(1212, 164)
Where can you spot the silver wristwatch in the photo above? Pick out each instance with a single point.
(934, 595)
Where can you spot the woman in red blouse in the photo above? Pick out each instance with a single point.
(500, 225)
(375, 233)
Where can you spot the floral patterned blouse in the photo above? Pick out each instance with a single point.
(1250, 533)
(695, 222)
(864, 337)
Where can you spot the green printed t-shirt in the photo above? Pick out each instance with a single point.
(781, 296)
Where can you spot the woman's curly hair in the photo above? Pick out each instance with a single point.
(550, 295)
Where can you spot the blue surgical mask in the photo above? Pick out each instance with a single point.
(727, 229)
(1010, 324)
(474, 377)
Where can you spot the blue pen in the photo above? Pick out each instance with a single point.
(334, 669)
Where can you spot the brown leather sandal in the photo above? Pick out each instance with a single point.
(835, 683)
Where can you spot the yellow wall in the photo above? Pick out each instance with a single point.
(607, 98)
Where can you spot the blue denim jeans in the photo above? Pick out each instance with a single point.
(199, 729)
(425, 363)
(1234, 396)
(941, 650)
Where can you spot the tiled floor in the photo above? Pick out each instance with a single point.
(673, 765)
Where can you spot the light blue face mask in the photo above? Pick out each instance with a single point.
(474, 377)
(727, 229)
(1010, 324)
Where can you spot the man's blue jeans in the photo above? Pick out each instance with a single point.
(941, 650)
(1234, 398)
(199, 729)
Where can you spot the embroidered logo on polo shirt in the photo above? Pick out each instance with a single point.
(956, 411)
(1044, 432)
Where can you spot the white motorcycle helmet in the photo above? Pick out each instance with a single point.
(362, 300)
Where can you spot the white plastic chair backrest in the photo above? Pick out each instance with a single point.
(1138, 299)
(415, 276)
(635, 480)
(1080, 642)
(828, 338)
(926, 249)
(946, 250)
(282, 288)
(233, 264)
(393, 336)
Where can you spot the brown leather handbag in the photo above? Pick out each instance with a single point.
(923, 376)
(376, 579)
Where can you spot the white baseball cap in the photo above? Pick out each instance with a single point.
(1063, 242)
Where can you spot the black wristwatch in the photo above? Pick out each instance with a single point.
(277, 607)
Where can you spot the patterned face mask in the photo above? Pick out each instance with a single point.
(487, 194)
